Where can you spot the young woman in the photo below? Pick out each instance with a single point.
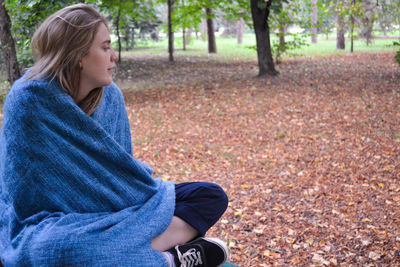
(71, 194)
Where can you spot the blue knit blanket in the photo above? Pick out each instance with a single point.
(71, 194)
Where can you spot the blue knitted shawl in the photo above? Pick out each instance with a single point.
(71, 194)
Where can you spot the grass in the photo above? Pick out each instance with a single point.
(229, 50)
(328, 47)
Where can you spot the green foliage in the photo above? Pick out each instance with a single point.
(364, 14)
(24, 53)
(234, 10)
(132, 18)
(4, 88)
(388, 14)
(141, 19)
(186, 14)
(136, 17)
(283, 16)
(26, 15)
(297, 12)
(326, 17)
(296, 41)
(278, 49)
(397, 56)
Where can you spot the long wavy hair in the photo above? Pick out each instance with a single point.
(58, 46)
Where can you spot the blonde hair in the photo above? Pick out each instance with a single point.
(59, 44)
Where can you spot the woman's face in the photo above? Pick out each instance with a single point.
(97, 66)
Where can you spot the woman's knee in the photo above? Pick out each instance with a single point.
(203, 195)
(217, 193)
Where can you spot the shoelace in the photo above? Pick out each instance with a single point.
(190, 258)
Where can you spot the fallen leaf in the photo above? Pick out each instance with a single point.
(374, 256)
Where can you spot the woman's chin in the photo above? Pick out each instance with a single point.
(106, 83)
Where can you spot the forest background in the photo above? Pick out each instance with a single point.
(292, 106)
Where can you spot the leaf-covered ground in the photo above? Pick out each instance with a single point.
(310, 159)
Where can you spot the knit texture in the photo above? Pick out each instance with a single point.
(71, 194)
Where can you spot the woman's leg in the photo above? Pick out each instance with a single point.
(199, 205)
(178, 232)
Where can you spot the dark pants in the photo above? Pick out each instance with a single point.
(200, 204)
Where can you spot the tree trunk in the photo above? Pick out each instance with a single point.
(183, 32)
(340, 41)
(184, 38)
(260, 12)
(118, 35)
(133, 40)
(352, 36)
(127, 37)
(314, 19)
(203, 29)
(282, 28)
(8, 45)
(212, 45)
(281, 35)
(239, 30)
(189, 36)
(230, 28)
(170, 32)
(368, 20)
(352, 28)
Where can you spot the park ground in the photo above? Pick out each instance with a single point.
(309, 159)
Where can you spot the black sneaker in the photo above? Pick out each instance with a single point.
(202, 252)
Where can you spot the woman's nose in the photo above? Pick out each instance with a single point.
(113, 55)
